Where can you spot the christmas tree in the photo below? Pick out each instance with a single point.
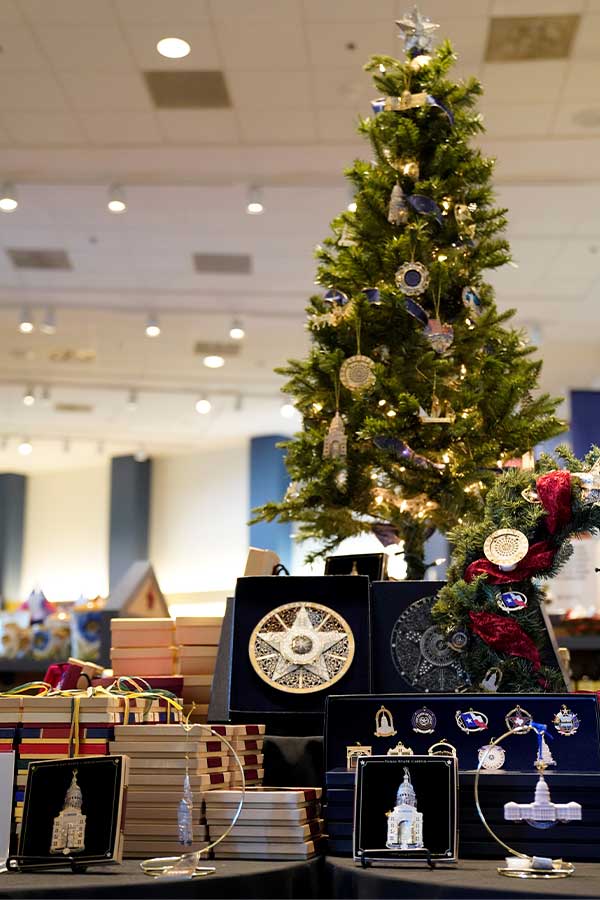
(415, 388)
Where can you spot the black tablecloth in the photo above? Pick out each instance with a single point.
(317, 879)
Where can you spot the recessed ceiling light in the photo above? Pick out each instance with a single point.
(152, 327)
(288, 410)
(25, 322)
(141, 454)
(25, 447)
(255, 205)
(28, 397)
(236, 332)
(48, 325)
(213, 362)
(203, 406)
(173, 48)
(116, 199)
(132, 400)
(8, 198)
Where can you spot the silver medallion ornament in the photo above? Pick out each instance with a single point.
(566, 722)
(440, 336)
(491, 756)
(506, 547)
(336, 442)
(459, 641)
(412, 278)
(518, 719)
(471, 721)
(423, 721)
(384, 723)
(358, 374)
(511, 601)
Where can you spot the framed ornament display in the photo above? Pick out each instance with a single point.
(292, 641)
(406, 810)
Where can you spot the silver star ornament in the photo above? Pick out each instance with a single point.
(417, 32)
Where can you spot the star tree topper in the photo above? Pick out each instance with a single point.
(417, 31)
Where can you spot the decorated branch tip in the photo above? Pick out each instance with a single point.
(495, 590)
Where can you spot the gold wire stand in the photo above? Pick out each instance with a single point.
(560, 869)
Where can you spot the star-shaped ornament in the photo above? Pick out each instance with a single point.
(302, 645)
(417, 32)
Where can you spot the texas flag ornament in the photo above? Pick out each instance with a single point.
(471, 721)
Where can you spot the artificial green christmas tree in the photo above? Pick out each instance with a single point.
(415, 387)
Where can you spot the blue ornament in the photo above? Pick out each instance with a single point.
(372, 295)
(333, 296)
(472, 301)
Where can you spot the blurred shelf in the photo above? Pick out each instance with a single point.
(26, 664)
(579, 641)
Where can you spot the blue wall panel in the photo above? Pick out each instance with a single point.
(268, 481)
(585, 420)
(12, 518)
(129, 515)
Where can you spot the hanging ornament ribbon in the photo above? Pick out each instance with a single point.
(409, 101)
(403, 451)
(399, 203)
(416, 310)
(538, 559)
(504, 635)
(554, 491)
(334, 296)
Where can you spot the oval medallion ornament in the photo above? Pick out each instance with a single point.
(506, 548)
(471, 721)
(511, 601)
(357, 374)
(459, 640)
(301, 648)
(491, 756)
(424, 721)
(566, 722)
(412, 278)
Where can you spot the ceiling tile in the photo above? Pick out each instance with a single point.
(202, 126)
(266, 10)
(116, 128)
(348, 88)
(253, 89)
(350, 11)
(75, 47)
(163, 12)
(578, 119)
(582, 81)
(269, 46)
(468, 35)
(335, 125)
(349, 44)
(68, 12)
(527, 81)
(587, 39)
(437, 9)
(29, 91)
(261, 126)
(144, 38)
(536, 7)
(43, 128)
(10, 13)
(19, 50)
(96, 90)
(518, 119)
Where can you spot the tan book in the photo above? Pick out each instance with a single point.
(248, 761)
(139, 799)
(169, 748)
(266, 851)
(205, 780)
(268, 796)
(259, 831)
(199, 766)
(239, 730)
(287, 815)
(139, 848)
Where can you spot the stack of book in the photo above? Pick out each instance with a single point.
(247, 741)
(157, 767)
(275, 823)
(197, 641)
(143, 647)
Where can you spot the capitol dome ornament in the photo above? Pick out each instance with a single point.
(336, 442)
(506, 547)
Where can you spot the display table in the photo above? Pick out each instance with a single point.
(317, 878)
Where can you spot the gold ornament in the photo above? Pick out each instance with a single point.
(301, 648)
(506, 547)
(336, 442)
(442, 748)
(357, 374)
(400, 750)
(384, 723)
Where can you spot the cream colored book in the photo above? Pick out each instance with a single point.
(287, 815)
(151, 777)
(277, 833)
(198, 766)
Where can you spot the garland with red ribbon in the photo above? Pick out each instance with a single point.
(505, 636)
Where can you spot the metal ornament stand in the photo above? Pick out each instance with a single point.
(188, 865)
(520, 865)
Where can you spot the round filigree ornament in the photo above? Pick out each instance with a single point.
(506, 547)
(357, 374)
(301, 648)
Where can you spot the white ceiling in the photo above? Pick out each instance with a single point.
(75, 115)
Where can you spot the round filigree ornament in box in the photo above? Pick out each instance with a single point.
(506, 547)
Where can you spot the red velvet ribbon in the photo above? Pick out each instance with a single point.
(554, 491)
(538, 558)
(505, 636)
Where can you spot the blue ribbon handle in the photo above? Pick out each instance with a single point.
(541, 731)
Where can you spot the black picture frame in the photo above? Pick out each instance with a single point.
(434, 781)
(374, 565)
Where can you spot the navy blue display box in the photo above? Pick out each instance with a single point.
(243, 695)
(350, 720)
(407, 652)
